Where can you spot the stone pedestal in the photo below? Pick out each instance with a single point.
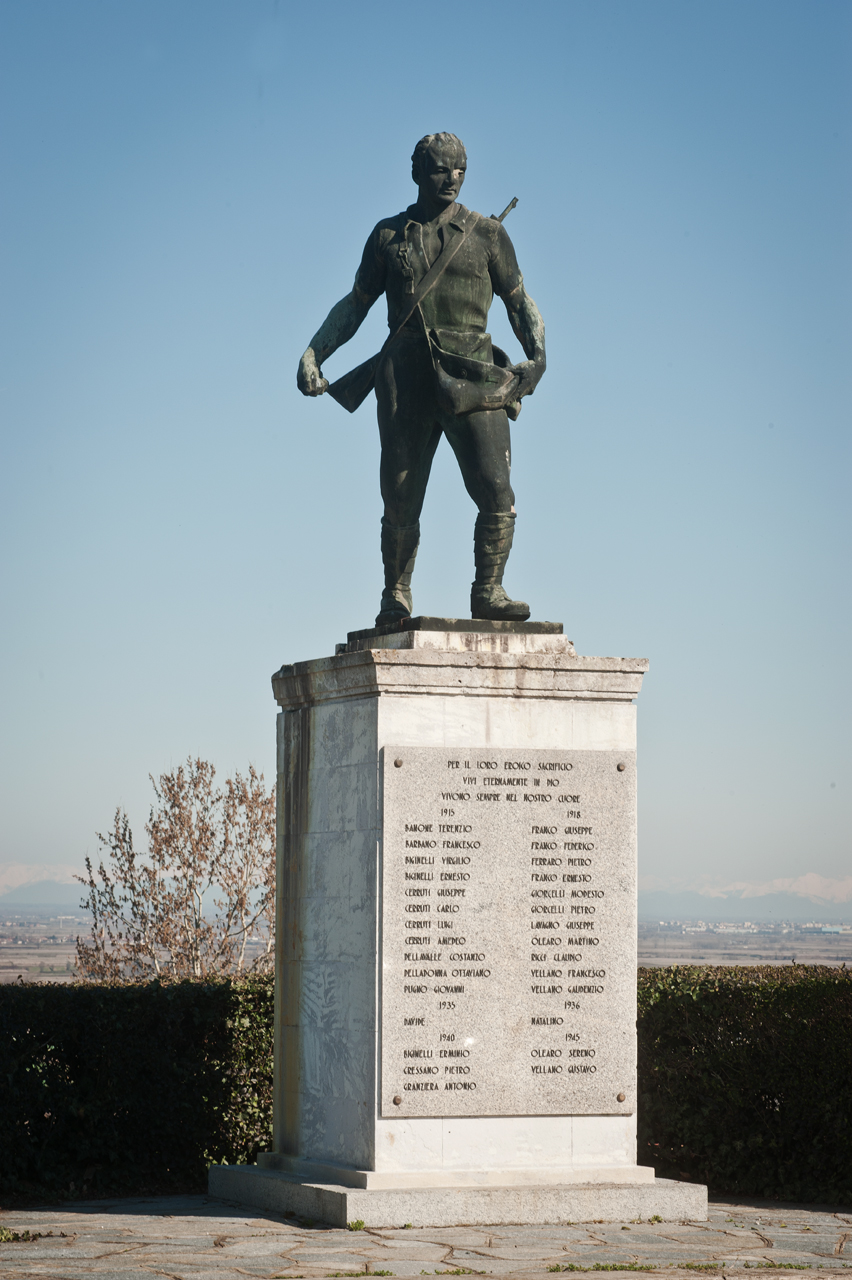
(456, 944)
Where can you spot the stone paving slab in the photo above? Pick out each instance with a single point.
(196, 1238)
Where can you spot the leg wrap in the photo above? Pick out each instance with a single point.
(492, 542)
(399, 549)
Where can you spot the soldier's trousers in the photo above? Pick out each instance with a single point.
(411, 424)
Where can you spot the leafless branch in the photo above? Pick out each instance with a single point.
(201, 896)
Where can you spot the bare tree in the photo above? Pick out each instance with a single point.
(151, 912)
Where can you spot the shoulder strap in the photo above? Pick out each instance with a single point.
(432, 276)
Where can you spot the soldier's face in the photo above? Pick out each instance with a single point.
(441, 175)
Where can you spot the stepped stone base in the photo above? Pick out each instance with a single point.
(449, 1206)
(538, 1124)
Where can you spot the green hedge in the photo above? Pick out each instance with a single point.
(745, 1082)
(131, 1089)
(745, 1079)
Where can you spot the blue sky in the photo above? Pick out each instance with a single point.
(187, 189)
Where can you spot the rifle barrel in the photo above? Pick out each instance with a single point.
(509, 207)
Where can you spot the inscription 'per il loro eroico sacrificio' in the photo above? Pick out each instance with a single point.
(508, 935)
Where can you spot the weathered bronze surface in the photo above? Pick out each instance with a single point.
(439, 265)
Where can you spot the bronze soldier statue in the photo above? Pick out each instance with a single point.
(440, 265)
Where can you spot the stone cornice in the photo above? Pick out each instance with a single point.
(376, 672)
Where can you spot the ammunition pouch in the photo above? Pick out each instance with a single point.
(471, 375)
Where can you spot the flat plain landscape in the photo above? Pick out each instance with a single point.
(726, 944)
(41, 948)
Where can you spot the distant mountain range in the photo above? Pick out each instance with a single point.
(807, 897)
(43, 895)
(39, 887)
(801, 898)
(659, 905)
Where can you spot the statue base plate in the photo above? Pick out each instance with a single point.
(456, 1202)
(459, 633)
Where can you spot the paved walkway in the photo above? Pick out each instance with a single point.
(192, 1238)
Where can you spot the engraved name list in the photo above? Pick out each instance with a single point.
(508, 932)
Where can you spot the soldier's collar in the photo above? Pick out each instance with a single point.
(457, 219)
(460, 217)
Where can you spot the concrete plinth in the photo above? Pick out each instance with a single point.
(456, 935)
(450, 1206)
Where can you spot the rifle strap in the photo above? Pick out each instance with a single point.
(432, 276)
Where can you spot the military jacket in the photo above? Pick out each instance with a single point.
(395, 261)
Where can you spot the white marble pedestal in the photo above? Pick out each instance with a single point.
(451, 803)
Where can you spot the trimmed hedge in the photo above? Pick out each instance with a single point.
(131, 1089)
(745, 1082)
(745, 1079)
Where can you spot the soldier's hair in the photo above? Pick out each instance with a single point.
(431, 140)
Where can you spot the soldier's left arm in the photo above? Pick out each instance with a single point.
(524, 315)
(528, 327)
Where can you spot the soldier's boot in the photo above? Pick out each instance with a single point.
(399, 549)
(492, 542)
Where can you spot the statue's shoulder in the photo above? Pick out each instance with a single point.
(479, 222)
(387, 228)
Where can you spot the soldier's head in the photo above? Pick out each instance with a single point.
(438, 167)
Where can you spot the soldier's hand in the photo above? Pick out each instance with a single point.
(309, 379)
(531, 372)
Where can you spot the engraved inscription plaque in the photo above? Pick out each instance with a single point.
(508, 932)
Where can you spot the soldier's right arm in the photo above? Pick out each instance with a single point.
(344, 319)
